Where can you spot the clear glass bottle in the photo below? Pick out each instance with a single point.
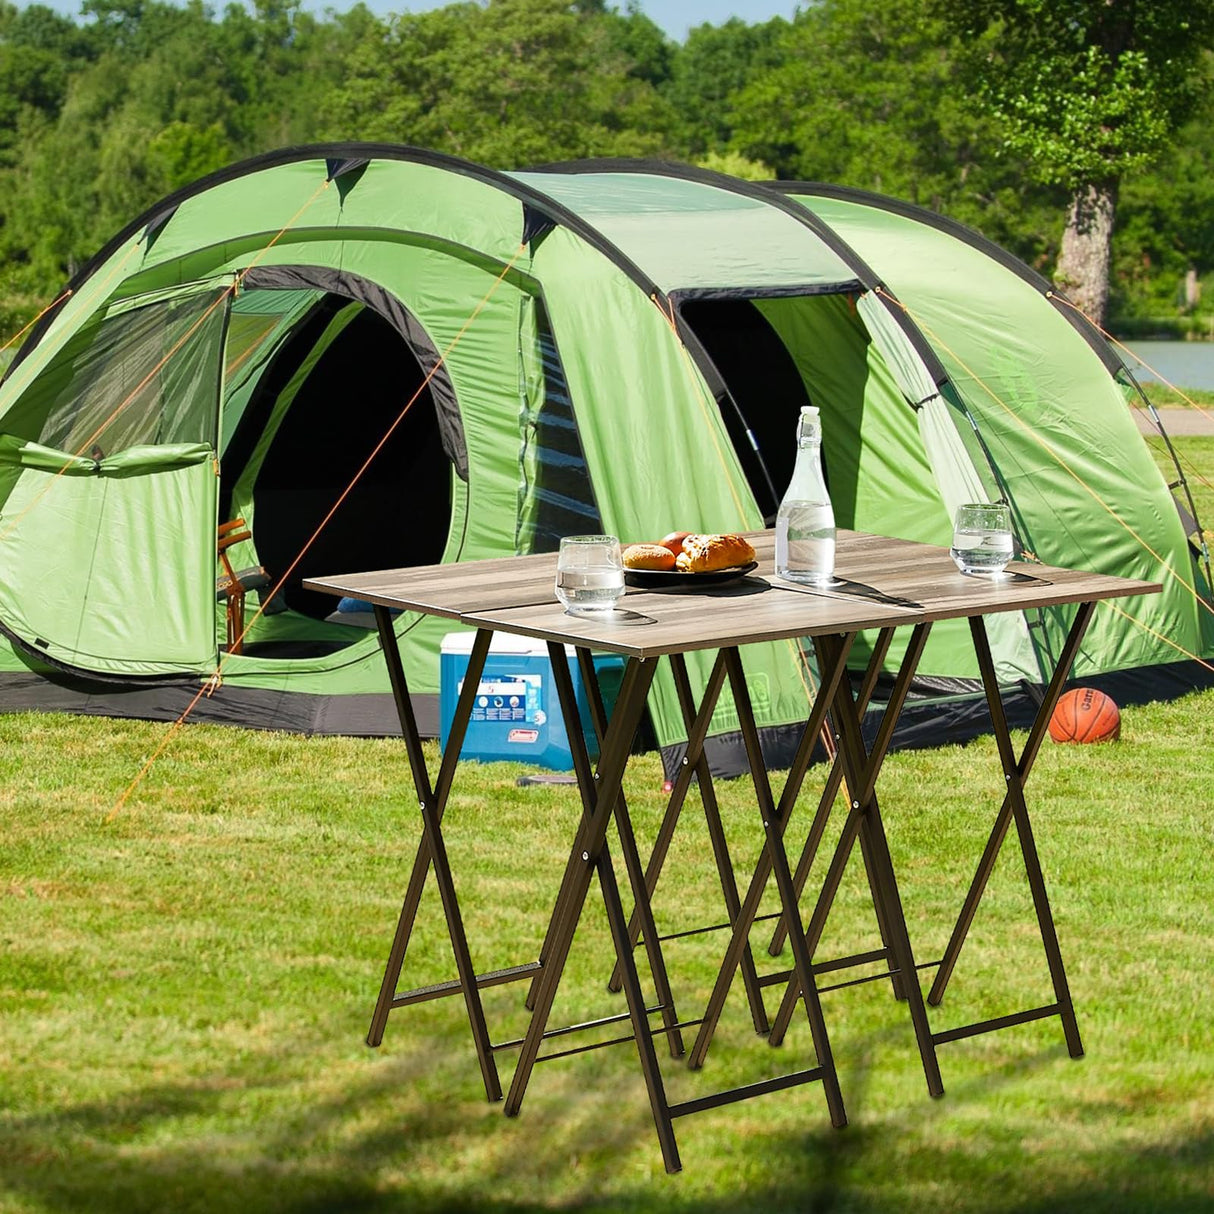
(805, 522)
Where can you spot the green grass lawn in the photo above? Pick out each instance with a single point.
(1196, 456)
(184, 991)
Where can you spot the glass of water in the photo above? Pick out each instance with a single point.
(982, 537)
(589, 573)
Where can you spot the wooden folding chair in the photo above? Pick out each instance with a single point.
(232, 585)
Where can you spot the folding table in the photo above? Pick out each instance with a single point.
(883, 584)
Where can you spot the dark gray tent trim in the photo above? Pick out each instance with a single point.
(351, 286)
(370, 716)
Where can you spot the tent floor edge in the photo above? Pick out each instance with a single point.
(359, 715)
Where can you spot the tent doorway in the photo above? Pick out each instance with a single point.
(330, 393)
(766, 388)
(774, 354)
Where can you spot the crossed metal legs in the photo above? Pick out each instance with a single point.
(600, 792)
(602, 800)
(432, 851)
(834, 782)
(773, 857)
(695, 763)
(860, 770)
(1016, 774)
(1013, 809)
(589, 855)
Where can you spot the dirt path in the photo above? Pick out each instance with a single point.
(1179, 423)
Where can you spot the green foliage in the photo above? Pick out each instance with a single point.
(39, 51)
(1165, 227)
(864, 95)
(713, 67)
(550, 83)
(808, 118)
(1085, 90)
(735, 165)
(650, 55)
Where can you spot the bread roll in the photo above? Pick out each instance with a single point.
(709, 553)
(648, 556)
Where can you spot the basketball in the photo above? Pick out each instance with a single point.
(1085, 715)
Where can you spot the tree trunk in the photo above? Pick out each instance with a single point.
(1083, 261)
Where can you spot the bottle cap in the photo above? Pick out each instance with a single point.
(812, 410)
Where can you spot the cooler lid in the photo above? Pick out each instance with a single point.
(460, 643)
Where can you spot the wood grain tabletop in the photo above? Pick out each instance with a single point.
(878, 581)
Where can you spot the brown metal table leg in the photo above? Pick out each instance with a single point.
(833, 783)
(778, 860)
(432, 850)
(628, 847)
(1015, 809)
(862, 773)
(587, 779)
(642, 886)
(695, 763)
(861, 769)
(830, 676)
(1022, 769)
(852, 829)
(421, 862)
(697, 731)
(590, 854)
(720, 847)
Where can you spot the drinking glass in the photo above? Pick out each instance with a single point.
(982, 537)
(589, 573)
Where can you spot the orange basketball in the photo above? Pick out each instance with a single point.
(1085, 715)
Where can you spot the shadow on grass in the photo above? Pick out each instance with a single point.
(165, 1148)
(849, 1183)
(233, 1143)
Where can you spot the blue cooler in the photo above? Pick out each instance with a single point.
(517, 714)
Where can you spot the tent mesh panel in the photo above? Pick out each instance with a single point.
(147, 375)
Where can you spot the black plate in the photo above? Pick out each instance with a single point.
(672, 579)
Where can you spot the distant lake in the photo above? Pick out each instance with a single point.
(1187, 364)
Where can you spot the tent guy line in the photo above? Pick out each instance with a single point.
(1121, 346)
(1153, 412)
(1159, 636)
(16, 337)
(70, 297)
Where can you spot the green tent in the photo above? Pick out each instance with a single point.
(602, 345)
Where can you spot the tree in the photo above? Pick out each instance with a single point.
(860, 96)
(649, 52)
(511, 84)
(1165, 228)
(864, 94)
(1086, 92)
(39, 49)
(711, 69)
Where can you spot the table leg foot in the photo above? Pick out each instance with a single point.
(834, 1100)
